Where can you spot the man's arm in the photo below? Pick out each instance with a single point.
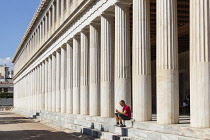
(122, 112)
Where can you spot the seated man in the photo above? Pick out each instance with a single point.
(124, 115)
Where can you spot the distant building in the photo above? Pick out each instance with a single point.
(6, 82)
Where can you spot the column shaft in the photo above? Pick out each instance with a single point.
(62, 11)
(107, 66)
(53, 82)
(94, 70)
(200, 63)
(46, 85)
(49, 83)
(76, 76)
(31, 90)
(167, 63)
(46, 24)
(84, 77)
(63, 80)
(38, 88)
(142, 105)
(69, 75)
(58, 80)
(122, 55)
(53, 17)
(57, 13)
(35, 86)
(49, 22)
(43, 86)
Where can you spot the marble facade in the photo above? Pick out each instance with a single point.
(76, 58)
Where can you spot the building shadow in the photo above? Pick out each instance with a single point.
(41, 135)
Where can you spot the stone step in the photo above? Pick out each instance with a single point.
(104, 127)
(139, 133)
(104, 135)
(144, 134)
(175, 129)
(84, 123)
(38, 117)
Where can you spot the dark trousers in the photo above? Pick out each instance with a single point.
(124, 117)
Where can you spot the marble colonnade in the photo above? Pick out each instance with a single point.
(94, 66)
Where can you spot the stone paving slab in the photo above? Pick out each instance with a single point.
(16, 127)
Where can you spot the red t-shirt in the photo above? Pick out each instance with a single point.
(128, 111)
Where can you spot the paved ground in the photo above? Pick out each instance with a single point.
(15, 127)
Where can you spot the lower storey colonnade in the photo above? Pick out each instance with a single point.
(91, 72)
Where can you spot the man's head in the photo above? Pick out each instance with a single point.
(122, 103)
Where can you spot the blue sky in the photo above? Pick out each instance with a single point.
(15, 16)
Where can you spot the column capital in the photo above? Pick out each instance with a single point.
(95, 23)
(124, 3)
(58, 50)
(85, 30)
(77, 36)
(54, 53)
(70, 42)
(50, 56)
(63, 46)
(108, 14)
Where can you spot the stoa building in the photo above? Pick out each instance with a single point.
(79, 58)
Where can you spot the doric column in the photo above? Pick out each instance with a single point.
(49, 83)
(84, 74)
(69, 2)
(167, 63)
(43, 31)
(49, 21)
(199, 63)
(34, 42)
(62, 11)
(46, 85)
(58, 80)
(53, 17)
(63, 79)
(57, 13)
(38, 88)
(35, 86)
(76, 75)
(122, 55)
(42, 34)
(34, 90)
(31, 90)
(107, 65)
(94, 69)
(46, 24)
(142, 105)
(40, 38)
(43, 86)
(53, 82)
(69, 75)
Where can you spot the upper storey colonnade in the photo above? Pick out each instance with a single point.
(89, 62)
(49, 17)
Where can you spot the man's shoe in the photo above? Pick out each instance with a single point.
(122, 125)
(117, 125)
